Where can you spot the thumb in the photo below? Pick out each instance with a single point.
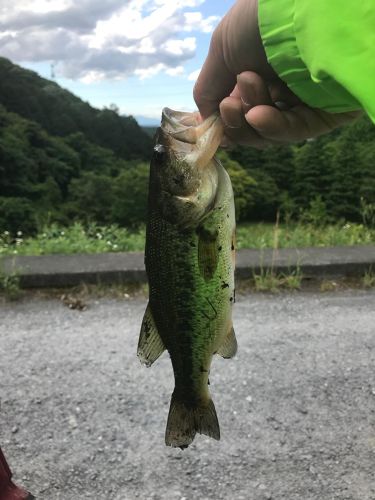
(215, 81)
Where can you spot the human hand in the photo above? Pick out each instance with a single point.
(256, 106)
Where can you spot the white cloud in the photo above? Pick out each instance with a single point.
(149, 72)
(194, 75)
(97, 39)
(178, 47)
(195, 21)
(178, 71)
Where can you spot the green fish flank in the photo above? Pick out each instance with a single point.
(189, 261)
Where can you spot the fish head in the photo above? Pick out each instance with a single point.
(182, 162)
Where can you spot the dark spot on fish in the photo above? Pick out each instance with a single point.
(192, 244)
(213, 316)
(228, 216)
(179, 179)
(220, 248)
(208, 382)
(224, 285)
(232, 247)
(231, 299)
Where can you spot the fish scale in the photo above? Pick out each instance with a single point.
(190, 267)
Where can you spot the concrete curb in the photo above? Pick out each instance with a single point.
(120, 268)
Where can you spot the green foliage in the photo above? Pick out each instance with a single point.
(368, 213)
(316, 213)
(17, 214)
(61, 113)
(94, 191)
(334, 171)
(10, 286)
(242, 183)
(76, 238)
(369, 279)
(269, 281)
(130, 196)
(63, 161)
(299, 235)
(93, 238)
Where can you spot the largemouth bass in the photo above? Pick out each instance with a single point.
(189, 261)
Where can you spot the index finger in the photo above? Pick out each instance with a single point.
(215, 81)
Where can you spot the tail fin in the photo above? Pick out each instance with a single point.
(184, 422)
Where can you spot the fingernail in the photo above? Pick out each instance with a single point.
(231, 127)
(258, 129)
(245, 103)
(281, 105)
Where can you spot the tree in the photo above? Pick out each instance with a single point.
(91, 198)
(241, 183)
(17, 214)
(130, 196)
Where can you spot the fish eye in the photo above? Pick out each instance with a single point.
(159, 150)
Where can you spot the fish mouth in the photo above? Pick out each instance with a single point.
(173, 121)
(188, 128)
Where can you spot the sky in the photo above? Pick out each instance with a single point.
(140, 55)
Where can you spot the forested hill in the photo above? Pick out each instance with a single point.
(62, 160)
(61, 113)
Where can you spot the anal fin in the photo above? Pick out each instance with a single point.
(228, 348)
(150, 345)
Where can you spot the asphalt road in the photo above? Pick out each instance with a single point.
(81, 418)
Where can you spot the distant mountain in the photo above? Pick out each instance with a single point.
(150, 131)
(144, 121)
(61, 113)
(63, 160)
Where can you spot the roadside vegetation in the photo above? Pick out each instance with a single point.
(92, 238)
(10, 286)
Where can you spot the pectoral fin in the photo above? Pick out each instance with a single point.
(228, 348)
(150, 345)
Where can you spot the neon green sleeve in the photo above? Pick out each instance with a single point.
(324, 50)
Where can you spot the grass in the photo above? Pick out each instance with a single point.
(10, 286)
(368, 279)
(78, 238)
(74, 239)
(269, 281)
(298, 235)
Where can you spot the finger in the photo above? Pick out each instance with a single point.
(245, 136)
(237, 130)
(297, 124)
(280, 92)
(253, 90)
(231, 112)
(215, 81)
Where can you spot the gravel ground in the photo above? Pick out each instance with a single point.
(81, 418)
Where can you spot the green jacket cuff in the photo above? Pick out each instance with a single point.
(279, 31)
